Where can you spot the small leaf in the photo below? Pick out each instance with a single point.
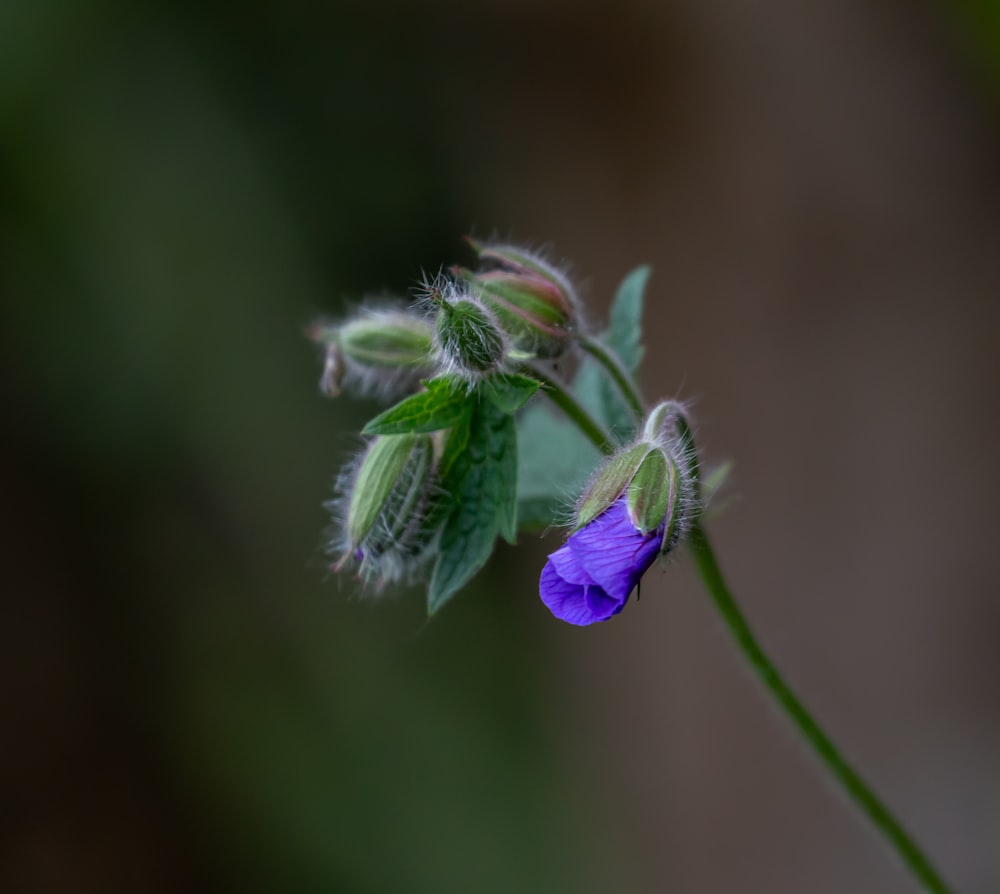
(511, 392)
(624, 336)
(713, 482)
(442, 405)
(554, 463)
(592, 386)
(479, 473)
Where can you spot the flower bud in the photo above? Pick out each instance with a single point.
(382, 353)
(653, 477)
(469, 342)
(533, 299)
(388, 527)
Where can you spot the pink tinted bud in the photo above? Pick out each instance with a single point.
(533, 299)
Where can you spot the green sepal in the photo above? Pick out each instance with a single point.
(610, 483)
(503, 295)
(509, 256)
(380, 473)
(510, 392)
(442, 405)
(652, 493)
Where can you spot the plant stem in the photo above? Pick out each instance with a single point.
(811, 731)
(858, 790)
(562, 398)
(614, 368)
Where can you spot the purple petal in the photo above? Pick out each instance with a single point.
(601, 605)
(612, 553)
(591, 577)
(569, 566)
(579, 604)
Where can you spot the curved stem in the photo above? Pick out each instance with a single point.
(811, 731)
(613, 366)
(562, 398)
(859, 791)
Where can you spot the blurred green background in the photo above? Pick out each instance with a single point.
(190, 701)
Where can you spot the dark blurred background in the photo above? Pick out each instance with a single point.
(189, 702)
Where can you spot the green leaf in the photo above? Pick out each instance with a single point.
(510, 392)
(624, 336)
(554, 463)
(592, 385)
(536, 513)
(442, 405)
(479, 473)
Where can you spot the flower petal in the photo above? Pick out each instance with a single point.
(612, 553)
(579, 604)
(601, 604)
(569, 566)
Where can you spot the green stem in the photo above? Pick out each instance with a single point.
(811, 731)
(573, 409)
(614, 368)
(858, 790)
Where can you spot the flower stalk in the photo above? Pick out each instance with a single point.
(573, 409)
(438, 482)
(859, 791)
(619, 375)
(846, 776)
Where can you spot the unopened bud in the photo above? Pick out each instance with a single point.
(653, 476)
(534, 301)
(387, 527)
(470, 344)
(383, 353)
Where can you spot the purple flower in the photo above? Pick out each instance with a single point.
(592, 576)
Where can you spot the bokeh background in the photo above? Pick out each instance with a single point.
(190, 702)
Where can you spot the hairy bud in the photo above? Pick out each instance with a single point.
(388, 527)
(379, 353)
(653, 476)
(533, 300)
(468, 339)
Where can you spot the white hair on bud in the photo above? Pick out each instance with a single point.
(451, 354)
(561, 269)
(396, 550)
(570, 512)
(671, 439)
(542, 256)
(344, 373)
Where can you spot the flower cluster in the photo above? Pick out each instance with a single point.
(442, 472)
(458, 461)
